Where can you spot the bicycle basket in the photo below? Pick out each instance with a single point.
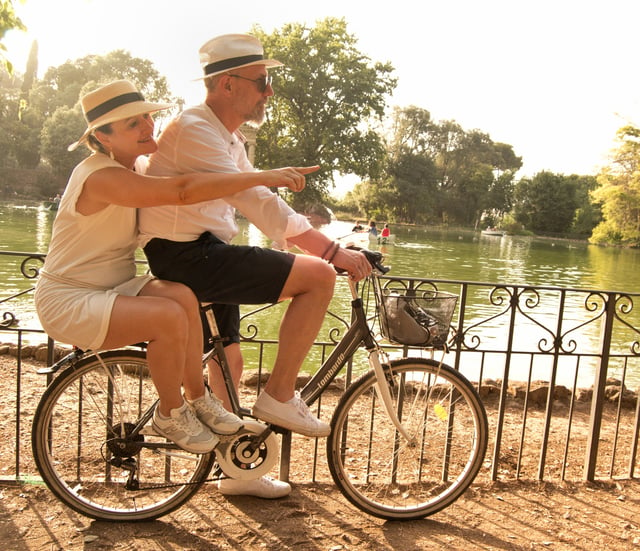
(419, 319)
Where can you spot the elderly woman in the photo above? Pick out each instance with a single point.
(89, 294)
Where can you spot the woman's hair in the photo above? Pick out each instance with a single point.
(94, 144)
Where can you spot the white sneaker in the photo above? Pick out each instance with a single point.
(184, 428)
(211, 412)
(293, 415)
(264, 487)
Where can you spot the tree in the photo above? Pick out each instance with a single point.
(8, 21)
(441, 173)
(39, 120)
(619, 193)
(65, 126)
(31, 72)
(328, 99)
(476, 173)
(546, 203)
(27, 142)
(63, 85)
(9, 102)
(19, 129)
(410, 191)
(588, 212)
(500, 197)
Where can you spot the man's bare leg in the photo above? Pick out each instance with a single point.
(310, 286)
(236, 365)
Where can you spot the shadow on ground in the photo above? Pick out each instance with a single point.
(315, 517)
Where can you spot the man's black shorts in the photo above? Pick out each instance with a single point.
(221, 273)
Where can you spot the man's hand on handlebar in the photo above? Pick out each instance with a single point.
(358, 263)
(353, 262)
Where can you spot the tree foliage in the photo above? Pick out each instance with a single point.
(588, 213)
(546, 203)
(62, 86)
(619, 193)
(329, 99)
(19, 130)
(329, 108)
(31, 73)
(436, 172)
(58, 131)
(43, 116)
(8, 21)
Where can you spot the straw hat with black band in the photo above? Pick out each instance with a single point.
(113, 102)
(232, 51)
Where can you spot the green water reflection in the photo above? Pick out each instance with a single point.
(417, 252)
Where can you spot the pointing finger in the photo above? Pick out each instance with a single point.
(307, 169)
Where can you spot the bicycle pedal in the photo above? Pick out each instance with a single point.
(226, 438)
(278, 430)
(274, 428)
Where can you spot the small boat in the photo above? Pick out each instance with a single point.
(388, 240)
(493, 231)
(364, 239)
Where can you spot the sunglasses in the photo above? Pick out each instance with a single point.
(261, 82)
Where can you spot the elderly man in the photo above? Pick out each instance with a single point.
(192, 244)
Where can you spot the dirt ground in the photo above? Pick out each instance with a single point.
(501, 516)
(506, 515)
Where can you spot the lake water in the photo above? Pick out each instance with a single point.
(417, 252)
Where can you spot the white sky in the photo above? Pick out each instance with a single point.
(553, 78)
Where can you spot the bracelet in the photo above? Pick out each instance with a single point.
(332, 244)
(335, 251)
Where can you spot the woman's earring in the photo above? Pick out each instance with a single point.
(113, 157)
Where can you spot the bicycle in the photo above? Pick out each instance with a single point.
(407, 437)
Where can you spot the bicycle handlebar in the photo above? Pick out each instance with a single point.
(374, 257)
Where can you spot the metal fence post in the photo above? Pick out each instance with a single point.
(599, 383)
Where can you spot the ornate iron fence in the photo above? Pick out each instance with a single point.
(558, 370)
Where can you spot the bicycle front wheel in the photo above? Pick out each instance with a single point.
(384, 474)
(84, 450)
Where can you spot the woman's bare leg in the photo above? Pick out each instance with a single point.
(165, 315)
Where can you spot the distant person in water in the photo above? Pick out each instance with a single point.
(358, 227)
(386, 232)
(372, 228)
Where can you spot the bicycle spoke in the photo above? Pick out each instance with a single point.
(385, 474)
(85, 452)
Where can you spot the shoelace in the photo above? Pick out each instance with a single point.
(188, 422)
(302, 407)
(215, 405)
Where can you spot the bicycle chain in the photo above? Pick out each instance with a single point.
(229, 456)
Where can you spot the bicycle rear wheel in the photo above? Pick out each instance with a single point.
(385, 475)
(80, 451)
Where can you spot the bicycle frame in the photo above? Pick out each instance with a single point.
(411, 478)
(358, 334)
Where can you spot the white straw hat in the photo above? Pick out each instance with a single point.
(113, 102)
(232, 51)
